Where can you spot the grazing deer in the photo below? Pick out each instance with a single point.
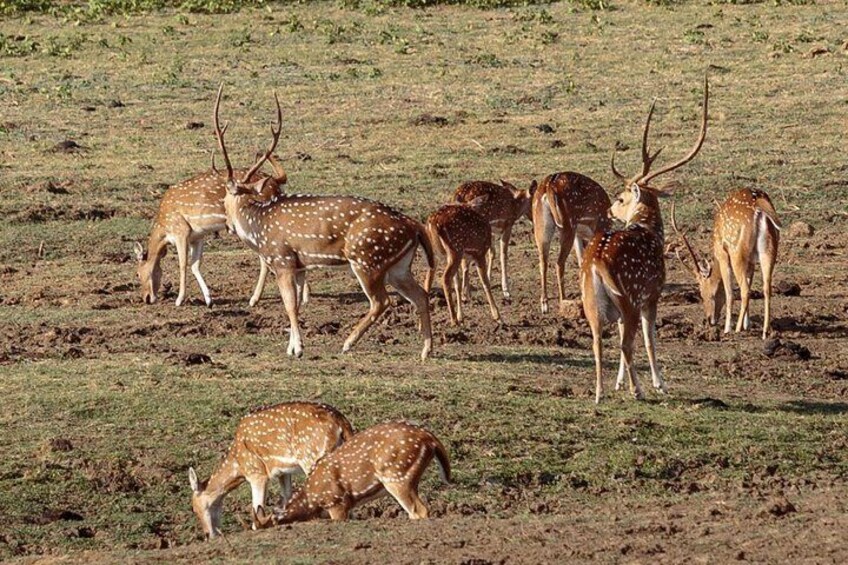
(503, 206)
(275, 441)
(293, 233)
(188, 213)
(388, 457)
(574, 207)
(623, 271)
(746, 230)
(457, 230)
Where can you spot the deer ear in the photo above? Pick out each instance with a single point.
(140, 255)
(477, 202)
(192, 480)
(533, 186)
(705, 268)
(508, 185)
(259, 185)
(636, 191)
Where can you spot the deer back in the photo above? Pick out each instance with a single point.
(501, 208)
(462, 229)
(575, 199)
(735, 227)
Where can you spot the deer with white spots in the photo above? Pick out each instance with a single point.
(503, 206)
(188, 213)
(386, 458)
(271, 442)
(574, 207)
(294, 233)
(623, 271)
(457, 230)
(746, 230)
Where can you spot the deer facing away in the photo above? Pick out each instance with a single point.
(746, 230)
(294, 233)
(457, 230)
(275, 441)
(623, 271)
(386, 458)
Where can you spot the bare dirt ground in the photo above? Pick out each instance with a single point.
(106, 402)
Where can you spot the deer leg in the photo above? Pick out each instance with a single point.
(578, 251)
(740, 269)
(257, 494)
(505, 237)
(406, 495)
(400, 276)
(566, 242)
(649, 333)
(288, 290)
(302, 289)
(304, 292)
(260, 283)
(543, 232)
(724, 267)
(490, 258)
(450, 284)
(465, 284)
(285, 487)
(181, 243)
(487, 289)
(619, 380)
(630, 325)
(767, 266)
(196, 254)
(374, 285)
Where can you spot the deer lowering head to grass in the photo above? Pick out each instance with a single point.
(188, 213)
(574, 207)
(275, 441)
(293, 233)
(386, 458)
(623, 271)
(457, 230)
(746, 230)
(503, 205)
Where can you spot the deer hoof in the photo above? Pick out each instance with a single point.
(544, 307)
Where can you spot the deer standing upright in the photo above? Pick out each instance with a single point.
(386, 458)
(746, 230)
(293, 233)
(623, 271)
(574, 207)
(457, 230)
(188, 213)
(504, 205)
(275, 441)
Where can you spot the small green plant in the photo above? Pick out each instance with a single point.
(760, 36)
(241, 38)
(694, 37)
(486, 60)
(66, 48)
(17, 46)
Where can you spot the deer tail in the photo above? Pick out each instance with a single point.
(764, 204)
(442, 457)
(426, 244)
(550, 195)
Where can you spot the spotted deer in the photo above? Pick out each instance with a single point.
(294, 233)
(623, 271)
(457, 230)
(574, 207)
(386, 458)
(271, 442)
(504, 204)
(188, 213)
(746, 230)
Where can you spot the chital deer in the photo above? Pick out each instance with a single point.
(746, 230)
(457, 230)
(293, 233)
(623, 271)
(574, 207)
(504, 205)
(188, 213)
(275, 441)
(386, 458)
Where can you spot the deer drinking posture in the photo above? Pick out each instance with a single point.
(188, 213)
(503, 206)
(574, 207)
(623, 271)
(293, 233)
(388, 457)
(746, 230)
(457, 230)
(275, 441)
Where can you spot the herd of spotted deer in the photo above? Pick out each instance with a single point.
(622, 273)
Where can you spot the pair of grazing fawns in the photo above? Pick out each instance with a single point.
(343, 468)
(622, 271)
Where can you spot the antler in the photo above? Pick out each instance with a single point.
(612, 165)
(275, 133)
(695, 149)
(282, 177)
(647, 159)
(219, 133)
(700, 270)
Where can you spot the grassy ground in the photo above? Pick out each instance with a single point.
(101, 414)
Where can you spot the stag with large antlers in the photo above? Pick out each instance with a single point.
(746, 230)
(574, 207)
(293, 233)
(273, 441)
(623, 271)
(188, 213)
(502, 206)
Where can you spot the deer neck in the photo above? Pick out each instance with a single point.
(239, 209)
(299, 508)
(647, 215)
(226, 478)
(157, 244)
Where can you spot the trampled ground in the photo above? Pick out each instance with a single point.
(104, 405)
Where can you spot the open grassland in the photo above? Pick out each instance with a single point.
(106, 402)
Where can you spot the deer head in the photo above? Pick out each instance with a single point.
(639, 193)
(523, 198)
(207, 510)
(149, 275)
(246, 184)
(709, 280)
